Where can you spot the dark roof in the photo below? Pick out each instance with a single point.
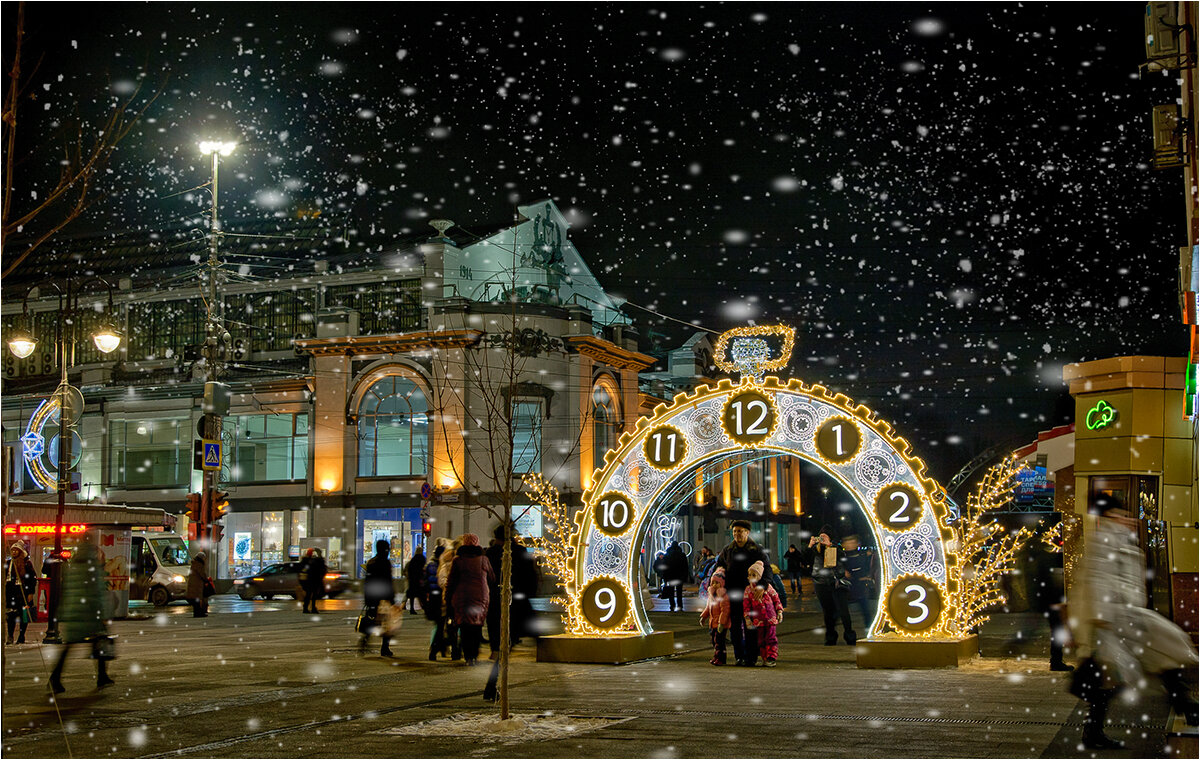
(268, 248)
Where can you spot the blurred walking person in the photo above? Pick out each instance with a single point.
(432, 603)
(860, 563)
(199, 585)
(312, 579)
(414, 573)
(83, 614)
(377, 587)
(467, 594)
(1123, 641)
(20, 591)
(675, 572)
(793, 565)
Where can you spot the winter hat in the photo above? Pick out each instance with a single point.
(740, 524)
(756, 570)
(470, 539)
(827, 531)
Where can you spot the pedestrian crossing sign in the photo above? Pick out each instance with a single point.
(212, 455)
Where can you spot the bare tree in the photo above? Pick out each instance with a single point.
(485, 443)
(85, 155)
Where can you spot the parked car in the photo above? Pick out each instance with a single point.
(283, 579)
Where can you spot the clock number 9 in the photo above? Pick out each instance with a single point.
(605, 603)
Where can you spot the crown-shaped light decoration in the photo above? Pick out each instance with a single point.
(750, 354)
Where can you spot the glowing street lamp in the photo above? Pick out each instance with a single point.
(22, 343)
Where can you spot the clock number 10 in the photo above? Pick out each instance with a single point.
(612, 514)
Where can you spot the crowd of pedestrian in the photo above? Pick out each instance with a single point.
(1121, 642)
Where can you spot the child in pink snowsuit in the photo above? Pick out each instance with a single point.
(763, 612)
(716, 613)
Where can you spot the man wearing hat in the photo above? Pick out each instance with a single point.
(737, 559)
(831, 579)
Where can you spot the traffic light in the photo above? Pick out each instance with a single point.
(219, 504)
(193, 507)
(427, 528)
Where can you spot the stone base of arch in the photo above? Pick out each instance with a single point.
(610, 649)
(916, 653)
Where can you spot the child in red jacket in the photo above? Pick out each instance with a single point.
(716, 613)
(764, 611)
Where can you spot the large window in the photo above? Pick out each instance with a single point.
(267, 447)
(270, 321)
(393, 430)
(527, 437)
(150, 453)
(606, 425)
(165, 329)
(383, 307)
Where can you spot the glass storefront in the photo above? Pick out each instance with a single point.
(399, 527)
(251, 541)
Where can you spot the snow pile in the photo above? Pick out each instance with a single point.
(519, 727)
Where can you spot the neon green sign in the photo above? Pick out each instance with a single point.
(1100, 416)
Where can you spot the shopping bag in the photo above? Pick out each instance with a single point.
(104, 648)
(210, 588)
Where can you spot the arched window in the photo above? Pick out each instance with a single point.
(606, 424)
(393, 429)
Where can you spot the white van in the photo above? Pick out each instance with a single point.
(159, 566)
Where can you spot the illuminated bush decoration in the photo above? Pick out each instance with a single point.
(555, 548)
(985, 551)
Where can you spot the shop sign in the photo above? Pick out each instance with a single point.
(27, 529)
(1100, 416)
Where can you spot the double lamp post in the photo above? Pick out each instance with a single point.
(69, 400)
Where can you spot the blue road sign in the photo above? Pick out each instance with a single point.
(212, 455)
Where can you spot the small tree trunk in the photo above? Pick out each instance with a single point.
(505, 614)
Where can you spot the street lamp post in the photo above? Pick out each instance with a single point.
(69, 400)
(215, 343)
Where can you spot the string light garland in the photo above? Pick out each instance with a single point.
(555, 548)
(986, 552)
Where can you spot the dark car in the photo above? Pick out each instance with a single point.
(283, 579)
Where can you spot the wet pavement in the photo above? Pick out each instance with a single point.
(261, 679)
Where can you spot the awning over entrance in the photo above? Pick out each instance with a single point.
(43, 513)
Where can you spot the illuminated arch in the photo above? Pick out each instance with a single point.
(905, 508)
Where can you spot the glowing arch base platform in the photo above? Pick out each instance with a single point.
(605, 650)
(916, 653)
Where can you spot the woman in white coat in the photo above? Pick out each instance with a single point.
(1123, 641)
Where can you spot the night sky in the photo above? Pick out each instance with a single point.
(949, 201)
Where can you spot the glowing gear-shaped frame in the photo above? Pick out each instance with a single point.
(594, 549)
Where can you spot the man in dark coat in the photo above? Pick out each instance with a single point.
(831, 579)
(737, 559)
(312, 579)
(861, 565)
(414, 571)
(524, 588)
(675, 572)
(377, 587)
